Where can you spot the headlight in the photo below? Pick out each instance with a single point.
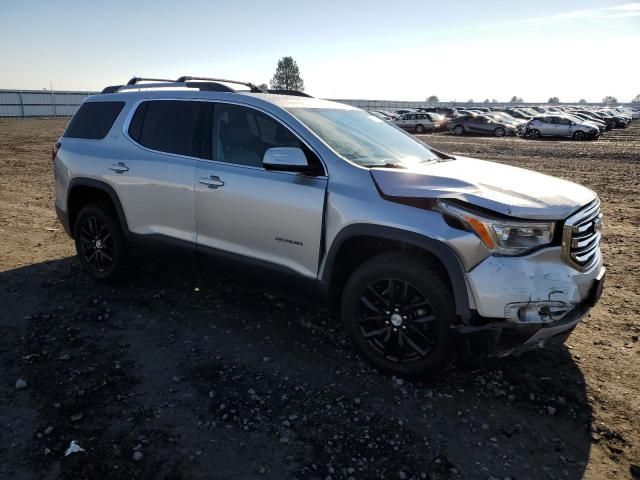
(502, 236)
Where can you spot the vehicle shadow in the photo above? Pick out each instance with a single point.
(204, 374)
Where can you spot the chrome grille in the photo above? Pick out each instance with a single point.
(581, 237)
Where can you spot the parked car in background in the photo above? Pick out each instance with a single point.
(448, 112)
(482, 124)
(416, 122)
(387, 113)
(381, 115)
(602, 126)
(561, 126)
(609, 122)
(519, 114)
(619, 120)
(505, 117)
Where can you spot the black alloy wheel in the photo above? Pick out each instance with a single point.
(397, 321)
(99, 242)
(398, 312)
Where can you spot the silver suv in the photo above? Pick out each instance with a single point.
(562, 126)
(424, 256)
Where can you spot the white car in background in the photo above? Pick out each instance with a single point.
(417, 122)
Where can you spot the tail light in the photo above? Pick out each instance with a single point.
(54, 150)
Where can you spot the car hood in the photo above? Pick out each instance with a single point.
(507, 190)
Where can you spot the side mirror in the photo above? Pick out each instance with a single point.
(285, 159)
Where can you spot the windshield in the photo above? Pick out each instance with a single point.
(364, 139)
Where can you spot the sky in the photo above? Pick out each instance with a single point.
(377, 49)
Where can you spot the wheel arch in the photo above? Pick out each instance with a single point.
(83, 191)
(357, 243)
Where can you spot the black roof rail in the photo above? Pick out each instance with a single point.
(136, 80)
(251, 86)
(202, 83)
(294, 93)
(111, 89)
(209, 86)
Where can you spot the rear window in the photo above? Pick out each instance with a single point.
(93, 120)
(167, 126)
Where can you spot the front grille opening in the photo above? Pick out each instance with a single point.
(582, 235)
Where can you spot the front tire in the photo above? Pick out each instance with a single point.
(579, 135)
(499, 132)
(99, 243)
(534, 133)
(419, 129)
(458, 130)
(398, 313)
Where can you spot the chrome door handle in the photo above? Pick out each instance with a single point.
(212, 181)
(119, 167)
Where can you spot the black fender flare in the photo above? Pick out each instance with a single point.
(438, 249)
(104, 187)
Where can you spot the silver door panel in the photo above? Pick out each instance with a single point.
(270, 216)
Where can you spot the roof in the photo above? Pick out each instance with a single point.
(282, 101)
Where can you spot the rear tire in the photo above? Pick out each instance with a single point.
(458, 130)
(398, 313)
(419, 129)
(499, 132)
(100, 244)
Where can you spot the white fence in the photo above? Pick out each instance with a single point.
(40, 103)
(48, 103)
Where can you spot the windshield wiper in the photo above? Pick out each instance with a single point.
(384, 165)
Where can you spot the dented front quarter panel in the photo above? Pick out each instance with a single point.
(504, 189)
(539, 277)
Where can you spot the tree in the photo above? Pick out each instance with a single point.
(514, 99)
(554, 100)
(264, 87)
(582, 100)
(636, 99)
(609, 100)
(493, 100)
(433, 99)
(470, 101)
(486, 100)
(287, 76)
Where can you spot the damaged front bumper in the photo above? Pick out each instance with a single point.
(557, 297)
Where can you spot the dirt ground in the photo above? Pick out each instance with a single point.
(184, 374)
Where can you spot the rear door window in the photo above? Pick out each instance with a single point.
(171, 126)
(93, 120)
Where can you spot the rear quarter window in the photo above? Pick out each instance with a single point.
(93, 120)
